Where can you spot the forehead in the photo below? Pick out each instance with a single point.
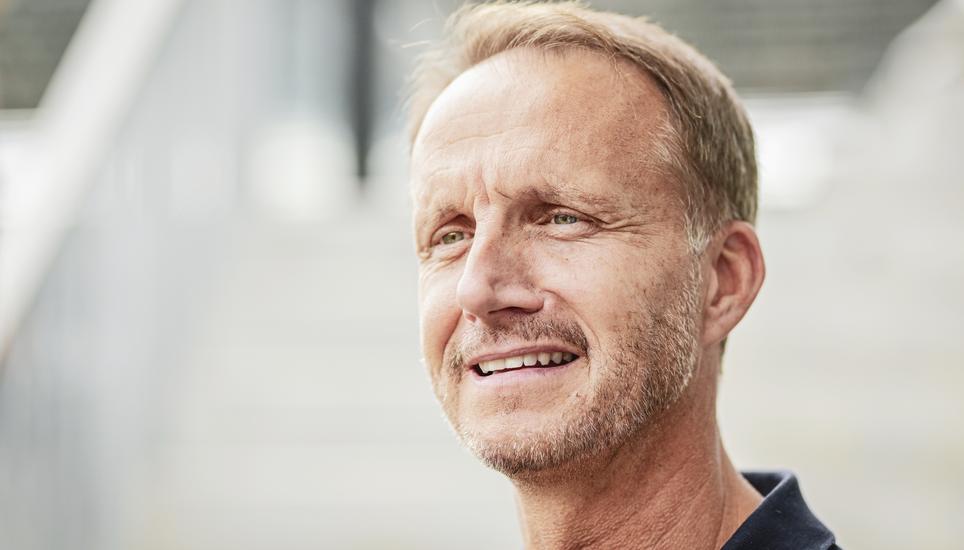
(554, 116)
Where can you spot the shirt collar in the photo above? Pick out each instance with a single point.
(782, 521)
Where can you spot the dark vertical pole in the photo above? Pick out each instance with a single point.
(361, 81)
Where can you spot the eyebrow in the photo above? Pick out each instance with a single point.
(545, 191)
(598, 203)
(568, 194)
(427, 223)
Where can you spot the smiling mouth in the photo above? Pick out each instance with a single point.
(537, 360)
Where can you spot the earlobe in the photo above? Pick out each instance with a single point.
(735, 275)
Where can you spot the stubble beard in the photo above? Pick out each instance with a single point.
(649, 367)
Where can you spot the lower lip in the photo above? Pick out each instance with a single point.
(523, 375)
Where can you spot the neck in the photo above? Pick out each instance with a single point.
(672, 486)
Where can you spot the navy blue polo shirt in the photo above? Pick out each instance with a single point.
(782, 521)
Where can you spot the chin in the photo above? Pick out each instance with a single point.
(518, 455)
(535, 443)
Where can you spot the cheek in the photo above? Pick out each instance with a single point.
(603, 283)
(438, 315)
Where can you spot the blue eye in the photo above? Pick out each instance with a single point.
(453, 237)
(564, 219)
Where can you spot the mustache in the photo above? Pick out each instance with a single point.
(524, 329)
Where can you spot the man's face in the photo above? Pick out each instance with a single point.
(548, 233)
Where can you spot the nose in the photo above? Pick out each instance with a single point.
(496, 281)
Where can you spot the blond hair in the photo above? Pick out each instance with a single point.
(711, 139)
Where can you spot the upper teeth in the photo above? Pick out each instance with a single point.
(528, 360)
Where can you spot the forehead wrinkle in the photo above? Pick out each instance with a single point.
(463, 149)
(457, 140)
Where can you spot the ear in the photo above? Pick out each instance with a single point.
(734, 274)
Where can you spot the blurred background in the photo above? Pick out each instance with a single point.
(208, 329)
